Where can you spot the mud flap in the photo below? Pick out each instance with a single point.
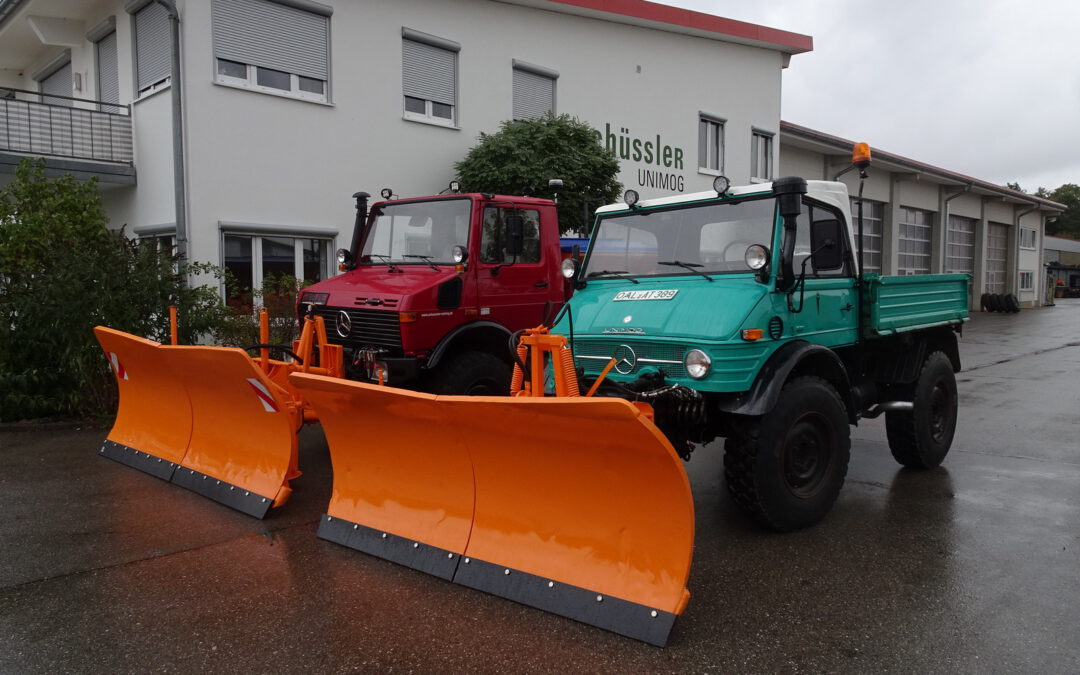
(153, 420)
(576, 506)
(204, 418)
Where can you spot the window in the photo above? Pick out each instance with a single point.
(108, 78)
(803, 246)
(534, 91)
(873, 217)
(711, 144)
(57, 82)
(418, 233)
(429, 78)
(915, 241)
(273, 47)
(761, 155)
(1027, 280)
(153, 48)
(960, 245)
(256, 261)
(493, 241)
(1027, 237)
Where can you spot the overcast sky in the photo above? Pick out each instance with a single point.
(987, 88)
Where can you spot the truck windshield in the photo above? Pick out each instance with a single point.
(695, 239)
(413, 233)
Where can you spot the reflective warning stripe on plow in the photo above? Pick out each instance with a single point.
(580, 506)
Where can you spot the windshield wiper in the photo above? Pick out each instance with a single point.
(617, 273)
(388, 261)
(425, 258)
(687, 266)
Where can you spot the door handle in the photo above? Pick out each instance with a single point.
(540, 284)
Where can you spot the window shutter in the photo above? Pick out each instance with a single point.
(59, 83)
(153, 45)
(108, 77)
(429, 72)
(534, 95)
(272, 35)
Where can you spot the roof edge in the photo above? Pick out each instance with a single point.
(846, 145)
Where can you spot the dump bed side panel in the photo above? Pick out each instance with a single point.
(899, 304)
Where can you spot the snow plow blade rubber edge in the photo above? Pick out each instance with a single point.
(204, 418)
(573, 505)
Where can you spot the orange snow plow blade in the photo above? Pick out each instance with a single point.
(205, 418)
(577, 506)
(242, 451)
(153, 421)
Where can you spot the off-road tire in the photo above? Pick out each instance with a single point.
(471, 374)
(785, 468)
(1012, 305)
(920, 439)
(984, 302)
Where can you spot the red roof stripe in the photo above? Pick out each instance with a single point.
(653, 11)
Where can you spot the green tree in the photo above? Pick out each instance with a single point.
(1068, 223)
(521, 157)
(62, 272)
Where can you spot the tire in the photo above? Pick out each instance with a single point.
(1012, 304)
(785, 468)
(995, 302)
(920, 439)
(984, 302)
(472, 374)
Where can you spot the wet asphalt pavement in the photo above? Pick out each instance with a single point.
(972, 567)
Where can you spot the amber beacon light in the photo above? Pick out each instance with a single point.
(860, 155)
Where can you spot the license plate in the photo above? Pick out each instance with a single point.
(665, 294)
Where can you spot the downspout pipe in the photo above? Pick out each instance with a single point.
(944, 237)
(179, 178)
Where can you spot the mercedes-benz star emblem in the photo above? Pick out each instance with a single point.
(625, 359)
(344, 324)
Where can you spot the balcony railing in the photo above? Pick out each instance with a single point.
(64, 126)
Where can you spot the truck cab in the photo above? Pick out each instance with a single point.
(433, 287)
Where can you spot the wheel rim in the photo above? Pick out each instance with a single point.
(807, 455)
(939, 412)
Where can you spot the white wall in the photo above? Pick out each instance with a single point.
(261, 158)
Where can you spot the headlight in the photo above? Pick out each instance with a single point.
(630, 197)
(569, 267)
(460, 254)
(756, 256)
(343, 256)
(697, 363)
(721, 185)
(314, 298)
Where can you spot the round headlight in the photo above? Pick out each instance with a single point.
(721, 184)
(386, 193)
(697, 363)
(630, 197)
(460, 254)
(569, 267)
(343, 256)
(756, 257)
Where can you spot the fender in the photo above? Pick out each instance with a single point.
(764, 393)
(448, 339)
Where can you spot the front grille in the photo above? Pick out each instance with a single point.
(370, 327)
(644, 350)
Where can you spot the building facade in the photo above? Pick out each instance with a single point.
(922, 219)
(290, 106)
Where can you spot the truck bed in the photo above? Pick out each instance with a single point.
(896, 304)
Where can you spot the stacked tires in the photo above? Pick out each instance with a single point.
(1000, 302)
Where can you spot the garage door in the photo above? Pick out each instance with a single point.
(960, 245)
(997, 257)
(915, 241)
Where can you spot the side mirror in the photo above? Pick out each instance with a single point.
(825, 243)
(515, 234)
